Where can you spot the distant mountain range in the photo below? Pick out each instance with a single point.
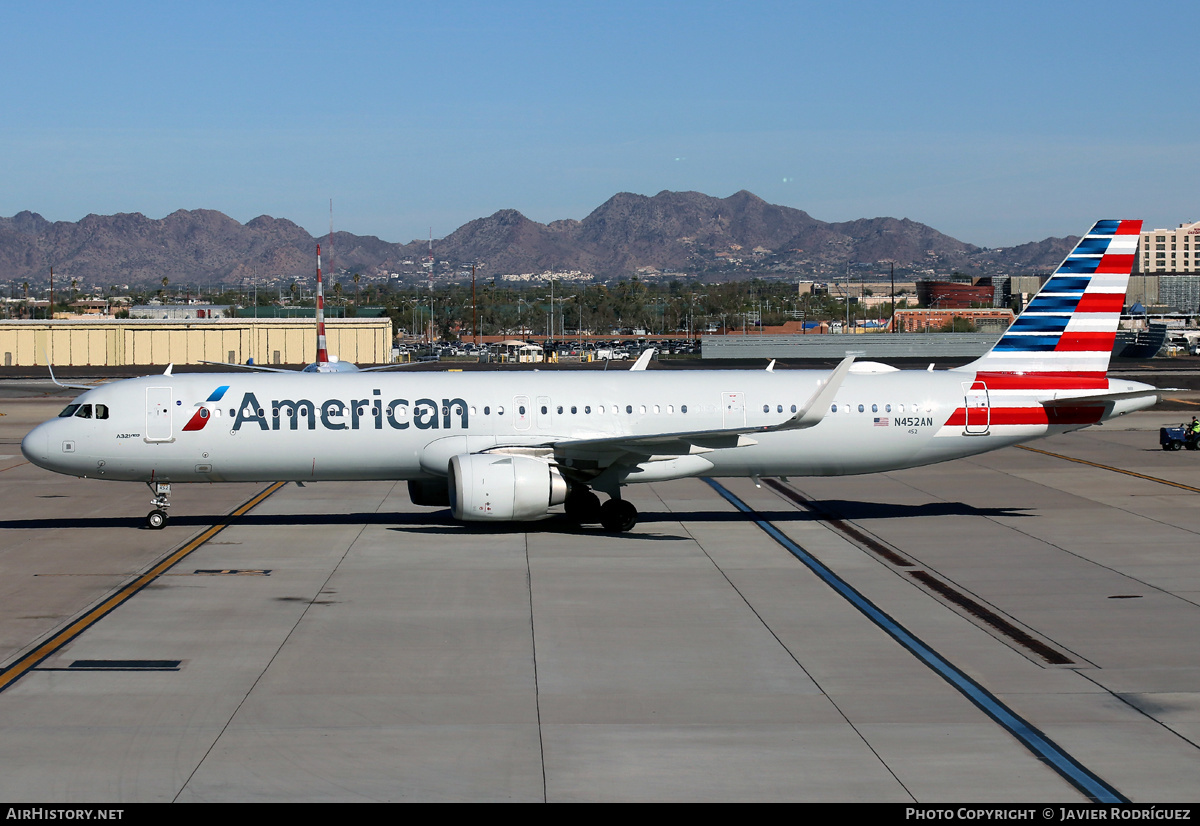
(670, 234)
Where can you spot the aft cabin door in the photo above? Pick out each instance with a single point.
(158, 414)
(978, 409)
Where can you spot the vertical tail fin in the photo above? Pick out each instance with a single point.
(1069, 327)
(322, 352)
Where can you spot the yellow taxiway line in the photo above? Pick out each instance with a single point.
(22, 666)
(1113, 469)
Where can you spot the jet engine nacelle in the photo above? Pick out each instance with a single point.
(486, 486)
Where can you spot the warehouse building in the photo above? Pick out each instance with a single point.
(122, 342)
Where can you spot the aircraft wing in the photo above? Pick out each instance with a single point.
(50, 367)
(400, 365)
(635, 449)
(643, 359)
(255, 368)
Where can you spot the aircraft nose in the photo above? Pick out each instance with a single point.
(35, 446)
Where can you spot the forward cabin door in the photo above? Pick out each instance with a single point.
(158, 414)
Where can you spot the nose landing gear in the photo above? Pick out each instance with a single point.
(157, 518)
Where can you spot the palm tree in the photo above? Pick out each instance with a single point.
(356, 277)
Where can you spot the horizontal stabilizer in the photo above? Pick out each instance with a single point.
(1100, 398)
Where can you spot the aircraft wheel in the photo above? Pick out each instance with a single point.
(156, 520)
(618, 516)
(583, 507)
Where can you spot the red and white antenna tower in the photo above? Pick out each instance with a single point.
(322, 352)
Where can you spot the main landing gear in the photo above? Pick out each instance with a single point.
(583, 507)
(157, 518)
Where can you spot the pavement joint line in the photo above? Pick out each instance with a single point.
(1033, 739)
(1132, 473)
(989, 616)
(60, 638)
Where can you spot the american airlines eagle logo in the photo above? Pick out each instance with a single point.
(203, 414)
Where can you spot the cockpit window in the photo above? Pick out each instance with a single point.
(84, 411)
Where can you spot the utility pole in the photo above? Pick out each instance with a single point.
(893, 296)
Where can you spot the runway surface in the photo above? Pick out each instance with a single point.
(336, 643)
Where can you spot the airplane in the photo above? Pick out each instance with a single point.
(505, 446)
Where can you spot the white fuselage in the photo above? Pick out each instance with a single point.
(346, 426)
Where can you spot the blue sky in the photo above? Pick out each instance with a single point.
(996, 123)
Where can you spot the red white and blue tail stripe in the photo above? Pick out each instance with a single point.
(1069, 327)
(322, 351)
